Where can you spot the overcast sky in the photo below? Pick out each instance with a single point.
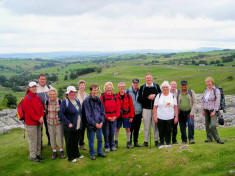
(114, 25)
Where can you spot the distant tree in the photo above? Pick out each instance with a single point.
(60, 93)
(217, 61)
(230, 78)
(65, 77)
(73, 75)
(212, 62)
(11, 100)
(2, 78)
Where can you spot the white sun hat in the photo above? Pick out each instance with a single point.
(32, 83)
(71, 89)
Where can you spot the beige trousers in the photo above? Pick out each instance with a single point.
(56, 132)
(34, 135)
(148, 120)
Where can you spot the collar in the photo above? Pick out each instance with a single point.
(151, 85)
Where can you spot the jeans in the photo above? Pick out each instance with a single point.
(109, 131)
(184, 121)
(91, 140)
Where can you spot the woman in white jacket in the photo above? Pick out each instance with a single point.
(165, 109)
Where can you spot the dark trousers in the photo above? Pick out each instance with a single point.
(184, 121)
(47, 132)
(108, 132)
(81, 136)
(71, 140)
(174, 132)
(135, 127)
(165, 129)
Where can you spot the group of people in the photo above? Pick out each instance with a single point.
(161, 107)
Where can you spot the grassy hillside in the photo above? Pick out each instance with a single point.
(199, 159)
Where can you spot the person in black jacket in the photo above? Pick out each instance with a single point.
(147, 94)
(94, 117)
(70, 115)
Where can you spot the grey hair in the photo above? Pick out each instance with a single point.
(120, 83)
(52, 89)
(165, 84)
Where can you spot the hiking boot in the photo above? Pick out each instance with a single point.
(54, 155)
(192, 142)
(146, 144)
(39, 157)
(207, 141)
(219, 141)
(113, 149)
(102, 155)
(82, 147)
(156, 143)
(92, 157)
(137, 145)
(62, 155)
(34, 159)
(128, 145)
(107, 150)
(116, 144)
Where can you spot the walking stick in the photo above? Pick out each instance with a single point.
(151, 124)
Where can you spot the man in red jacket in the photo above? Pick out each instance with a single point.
(127, 113)
(33, 112)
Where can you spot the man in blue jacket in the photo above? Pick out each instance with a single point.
(94, 117)
(135, 125)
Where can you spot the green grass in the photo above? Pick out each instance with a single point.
(199, 159)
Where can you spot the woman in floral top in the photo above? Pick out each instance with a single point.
(210, 107)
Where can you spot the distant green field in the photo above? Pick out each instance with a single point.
(127, 67)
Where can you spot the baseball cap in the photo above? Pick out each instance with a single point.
(32, 83)
(184, 82)
(71, 89)
(136, 80)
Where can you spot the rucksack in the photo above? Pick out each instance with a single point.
(20, 110)
(153, 85)
(222, 97)
(108, 99)
(189, 92)
(67, 101)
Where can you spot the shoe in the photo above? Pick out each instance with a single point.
(102, 155)
(39, 157)
(184, 143)
(113, 149)
(62, 155)
(192, 142)
(128, 145)
(156, 143)
(207, 140)
(137, 145)
(81, 157)
(34, 159)
(219, 141)
(82, 147)
(146, 144)
(74, 160)
(116, 144)
(107, 150)
(54, 155)
(92, 157)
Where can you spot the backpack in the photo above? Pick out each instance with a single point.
(108, 99)
(67, 101)
(153, 85)
(20, 111)
(189, 92)
(222, 97)
(126, 111)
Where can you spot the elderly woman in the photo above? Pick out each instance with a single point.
(52, 108)
(112, 112)
(81, 95)
(210, 107)
(94, 119)
(165, 109)
(70, 115)
(34, 113)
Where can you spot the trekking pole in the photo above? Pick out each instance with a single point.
(151, 124)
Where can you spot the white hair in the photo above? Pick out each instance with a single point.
(121, 83)
(165, 84)
(52, 89)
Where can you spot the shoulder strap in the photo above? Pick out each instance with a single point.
(59, 101)
(102, 94)
(128, 96)
(67, 102)
(28, 97)
(48, 86)
(178, 93)
(160, 94)
(143, 89)
(214, 90)
(190, 92)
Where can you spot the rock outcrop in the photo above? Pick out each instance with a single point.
(9, 120)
